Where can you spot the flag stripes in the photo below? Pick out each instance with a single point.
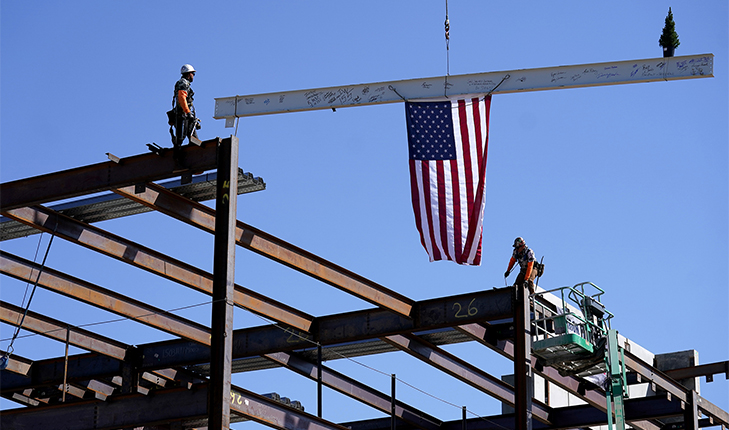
(448, 186)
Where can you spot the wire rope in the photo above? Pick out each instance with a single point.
(9, 351)
(447, 25)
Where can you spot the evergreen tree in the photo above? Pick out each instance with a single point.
(669, 37)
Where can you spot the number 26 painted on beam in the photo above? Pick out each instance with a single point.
(467, 312)
(225, 198)
(233, 400)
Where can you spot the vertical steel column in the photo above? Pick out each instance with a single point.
(392, 404)
(129, 376)
(523, 385)
(221, 340)
(691, 413)
(319, 369)
(464, 420)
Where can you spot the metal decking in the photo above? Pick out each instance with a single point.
(110, 205)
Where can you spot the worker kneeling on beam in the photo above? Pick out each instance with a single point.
(527, 263)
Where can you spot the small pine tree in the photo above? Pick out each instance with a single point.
(669, 37)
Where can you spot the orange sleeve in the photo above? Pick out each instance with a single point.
(511, 264)
(182, 101)
(528, 270)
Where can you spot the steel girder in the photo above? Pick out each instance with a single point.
(463, 371)
(19, 365)
(105, 176)
(452, 86)
(181, 405)
(57, 330)
(336, 329)
(114, 246)
(111, 301)
(356, 390)
(203, 217)
(708, 370)
(93, 362)
(568, 417)
(674, 389)
(91, 366)
(90, 341)
(341, 328)
(178, 405)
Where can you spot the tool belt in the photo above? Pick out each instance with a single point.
(539, 267)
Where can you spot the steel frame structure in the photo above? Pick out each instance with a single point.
(111, 386)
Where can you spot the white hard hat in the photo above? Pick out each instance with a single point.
(187, 68)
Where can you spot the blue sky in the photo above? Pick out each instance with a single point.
(626, 186)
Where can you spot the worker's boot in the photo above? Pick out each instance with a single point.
(177, 156)
(530, 285)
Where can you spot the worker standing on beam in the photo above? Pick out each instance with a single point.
(186, 123)
(527, 263)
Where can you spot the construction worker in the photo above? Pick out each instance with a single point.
(527, 263)
(186, 124)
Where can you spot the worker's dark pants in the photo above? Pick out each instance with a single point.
(183, 128)
(520, 280)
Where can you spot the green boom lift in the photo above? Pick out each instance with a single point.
(576, 339)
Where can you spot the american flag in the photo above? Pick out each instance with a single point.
(448, 143)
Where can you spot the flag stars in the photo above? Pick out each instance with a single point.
(430, 133)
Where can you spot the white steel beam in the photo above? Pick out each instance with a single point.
(444, 87)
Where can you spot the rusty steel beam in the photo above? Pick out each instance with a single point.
(650, 374)
(19, 365)
(111, 301)
(105, 176)
(100, 389)
(275, 414)
(114, 246)
(22, 399)
(708, 370)
(51, 372)
(203, 217)
(178, 376)
(331, 330)
(55, 329)
(356, 390)
(154, 379)
(568, 417)
(463, 371)
(173, 406)
(129, 411)
(73, 390)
